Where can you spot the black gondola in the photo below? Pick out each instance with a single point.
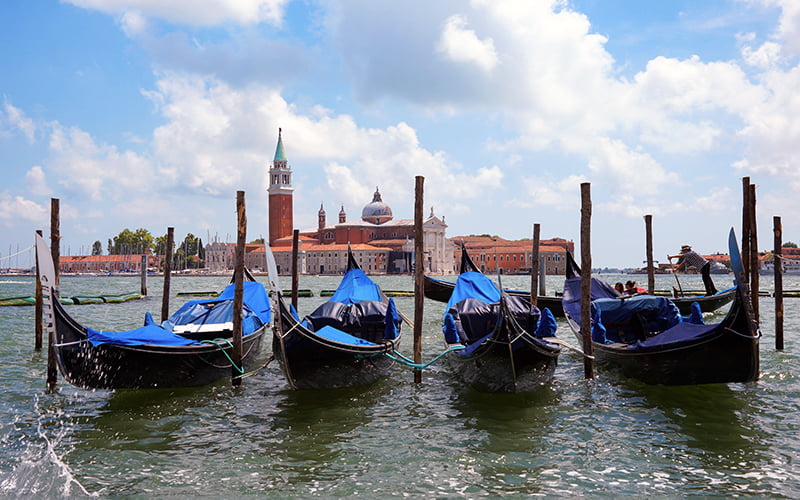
(344, 342)
(192, 348)
(644, 337)
(503, 337)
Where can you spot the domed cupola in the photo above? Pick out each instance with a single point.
(376, 212)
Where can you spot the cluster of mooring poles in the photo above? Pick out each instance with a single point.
(749, 258)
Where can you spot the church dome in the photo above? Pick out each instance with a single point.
(376, 211)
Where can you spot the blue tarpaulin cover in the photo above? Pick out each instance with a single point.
(658, 313)
(357, 310)
(356, 287)
(473, 312)
(196, 312)
(682, 333)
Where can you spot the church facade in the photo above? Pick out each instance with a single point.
(381, 243)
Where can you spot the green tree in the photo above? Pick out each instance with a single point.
(129, 242)
(97, 248)
(257, 241)
(789, 244)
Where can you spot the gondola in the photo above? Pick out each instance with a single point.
(192, 348)
(503, 337)
(440, 290)
(344, 342)
(644, 337)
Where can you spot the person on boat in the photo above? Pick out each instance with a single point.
(619, 288)
(632, 289)
(689, 257)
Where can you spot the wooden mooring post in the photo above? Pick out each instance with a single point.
(143, 287)
(167, 273)
(651, 272)
(754, 264)
(586, 280)
(746, 228)
(55, 244)
(419, 274)
(295, 272)
(38, 316)
(238, 290)
(535, 266)
(777, 230)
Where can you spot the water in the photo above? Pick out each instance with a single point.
(607, 437)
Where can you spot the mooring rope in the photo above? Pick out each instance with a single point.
(222, 349)
(403, 360)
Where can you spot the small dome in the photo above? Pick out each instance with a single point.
(377, 211)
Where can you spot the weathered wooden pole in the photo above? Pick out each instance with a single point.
(238, 290)
(143, 288)
(419, 274)
(167, 273)
(746, 228)
(38, 327)
(55, 241)
(535, 266)
(542, 276)
(295, 275)
(777, 230)
(55, 244)
(586, 280)
(754, 264)
(651, 272)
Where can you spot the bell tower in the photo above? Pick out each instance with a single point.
(280, 195)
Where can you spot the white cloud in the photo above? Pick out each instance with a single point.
(461, 44)
(17, 120)
(96, 171)
(194, 12)
(16, 208)
(36, 181)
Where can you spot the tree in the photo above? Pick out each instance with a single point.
(130, 242)
(257, 241)
(789, 244)
(97, 248)
(187, 253)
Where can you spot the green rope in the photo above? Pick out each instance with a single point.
(221, 348)
(403, 360)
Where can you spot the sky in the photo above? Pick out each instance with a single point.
(151, 114)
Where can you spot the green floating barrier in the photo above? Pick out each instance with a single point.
(398, 293)
(214, 293)
(303, 292)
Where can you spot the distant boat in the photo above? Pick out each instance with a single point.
(192, 348)
(343, 342)
(790, 267)
(504, 336)
(644, 337)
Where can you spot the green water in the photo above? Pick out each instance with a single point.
(607, 437)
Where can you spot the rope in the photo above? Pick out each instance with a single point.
(403, 360)
(253, 372)
(222, 349)
(18, 253)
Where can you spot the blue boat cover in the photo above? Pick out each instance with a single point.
(215, 311)
(356, 287)
(359, 310)
(680, 334)
(341, 337)
(473, 285)
(632, 318)
(473, 312)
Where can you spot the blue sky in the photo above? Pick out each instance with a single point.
(148, 114)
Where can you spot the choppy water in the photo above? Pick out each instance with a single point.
(607, 437)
